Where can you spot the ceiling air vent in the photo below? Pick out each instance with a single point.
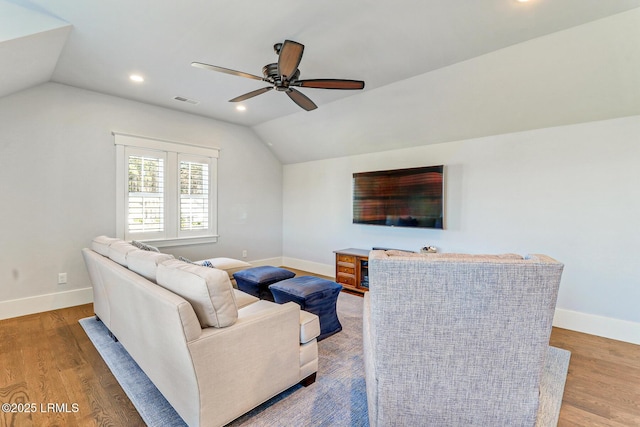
(187, 100)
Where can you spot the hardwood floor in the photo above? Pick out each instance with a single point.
(53, 376)
(47, 359)
(603, 384)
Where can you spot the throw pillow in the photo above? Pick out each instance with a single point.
(204, 263)
(144, 246)
(229, 265)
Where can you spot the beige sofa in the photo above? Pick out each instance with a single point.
(213, 351)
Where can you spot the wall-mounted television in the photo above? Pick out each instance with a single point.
(400, 198)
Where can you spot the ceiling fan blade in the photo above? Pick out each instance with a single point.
(290, 56)
(225, 70)
(300, 99)
(330, 84)
(251, 94)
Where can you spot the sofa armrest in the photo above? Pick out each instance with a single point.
(245, 364)
(309, 327)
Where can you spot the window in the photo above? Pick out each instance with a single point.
(166, 191)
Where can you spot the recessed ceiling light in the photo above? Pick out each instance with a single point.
(136, 78)
(522, 1)
(241, 108)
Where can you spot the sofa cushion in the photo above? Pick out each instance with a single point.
(101, 244)
(243, 299)
(118, 252)
(207, 289)
(145, 263)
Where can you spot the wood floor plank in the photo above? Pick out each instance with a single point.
(571, 416)
(15, 394)
(12, 367)
(597, 347)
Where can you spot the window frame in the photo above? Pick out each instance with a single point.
(173, 152)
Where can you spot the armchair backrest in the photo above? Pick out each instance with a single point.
(458, 339)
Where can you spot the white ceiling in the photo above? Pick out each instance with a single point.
(384, 43)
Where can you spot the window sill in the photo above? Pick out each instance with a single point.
(181, 241)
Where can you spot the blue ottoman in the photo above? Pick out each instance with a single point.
(255, 281)
(315, 295)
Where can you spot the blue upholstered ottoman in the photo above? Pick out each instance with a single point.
(315, 295)
(255, 281)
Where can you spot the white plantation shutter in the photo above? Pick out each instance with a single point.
(166, 192)
(194, 195)
(146, 194)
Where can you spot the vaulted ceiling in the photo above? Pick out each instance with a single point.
(435, 70)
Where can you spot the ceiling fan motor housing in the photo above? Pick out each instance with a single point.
(270, 72)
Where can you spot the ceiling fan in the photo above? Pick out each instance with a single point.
(284, 76)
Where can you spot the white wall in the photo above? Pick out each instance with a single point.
(49, 214)
(570, 192)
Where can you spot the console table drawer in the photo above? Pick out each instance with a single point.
(347, 279)
(346, 259)
(351, 269)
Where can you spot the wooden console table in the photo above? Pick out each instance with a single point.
(352, 269)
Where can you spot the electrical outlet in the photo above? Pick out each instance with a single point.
(62, 278)
(244, 253)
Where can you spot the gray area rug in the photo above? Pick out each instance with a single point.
(150, 403)
(337, 398)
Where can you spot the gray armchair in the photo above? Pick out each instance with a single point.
(460, 340)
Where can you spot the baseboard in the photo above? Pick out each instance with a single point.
(310, 266)
(48, 302)
(276, 261)
(299, 264)
(616, 329)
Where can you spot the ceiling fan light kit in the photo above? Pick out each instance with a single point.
(284, 76)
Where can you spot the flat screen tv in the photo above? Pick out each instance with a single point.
(399, 198)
